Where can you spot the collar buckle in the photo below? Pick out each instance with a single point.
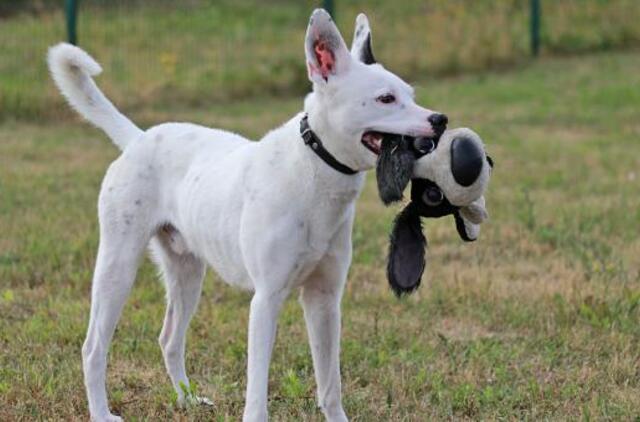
(307, 135)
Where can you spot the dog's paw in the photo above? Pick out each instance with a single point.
(108, 418)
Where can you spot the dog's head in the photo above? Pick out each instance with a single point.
(356, 102)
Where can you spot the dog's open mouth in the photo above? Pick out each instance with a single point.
(373, 141)
(421, 145)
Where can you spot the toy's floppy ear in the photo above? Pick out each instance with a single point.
(361, 44)
(394, 168)
(325, 50)
(469, 218)
(406, 252)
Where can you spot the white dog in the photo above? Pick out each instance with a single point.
(268, 216)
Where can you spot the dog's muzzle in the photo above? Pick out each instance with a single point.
(467, 159)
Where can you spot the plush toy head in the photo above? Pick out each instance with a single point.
(449, 176)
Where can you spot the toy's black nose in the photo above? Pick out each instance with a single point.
(438, 122)
(467, 159)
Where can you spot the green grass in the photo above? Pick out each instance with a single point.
(539, 319)
(211, 51)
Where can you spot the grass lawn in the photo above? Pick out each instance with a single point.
(537, 319)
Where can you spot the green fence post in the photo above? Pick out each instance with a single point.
(535, 27)
(71, 12)
(328, 6)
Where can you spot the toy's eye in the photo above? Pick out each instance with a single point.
(432, 197)
(386, 99)
(424, 145)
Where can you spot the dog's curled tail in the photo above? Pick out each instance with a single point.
(72, 69)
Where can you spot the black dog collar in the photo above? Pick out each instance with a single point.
(311, 139)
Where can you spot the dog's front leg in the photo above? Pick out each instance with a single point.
(321, 303)
(320, 299)
(265, 307)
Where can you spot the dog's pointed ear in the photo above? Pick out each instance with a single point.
(406, 259)
(361, 44)
(325, 50)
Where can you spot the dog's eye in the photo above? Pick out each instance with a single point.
(386, 99)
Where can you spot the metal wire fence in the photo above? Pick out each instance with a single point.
(196, 51)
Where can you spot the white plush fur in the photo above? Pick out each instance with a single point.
(473, 215)
(436, 167)
(268, 216)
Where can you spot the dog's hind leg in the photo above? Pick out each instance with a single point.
(183, 274)
(116, 266)
(127, 220)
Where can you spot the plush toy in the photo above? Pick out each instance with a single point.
(449, 175)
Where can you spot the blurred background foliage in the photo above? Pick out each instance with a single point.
(204, 51)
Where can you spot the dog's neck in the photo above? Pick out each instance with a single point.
(302, 166)
(337, 143)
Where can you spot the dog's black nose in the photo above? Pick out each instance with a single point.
(467, 159)
(438, 122)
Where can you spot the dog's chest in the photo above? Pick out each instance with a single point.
(316, 232)
(322, 219)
